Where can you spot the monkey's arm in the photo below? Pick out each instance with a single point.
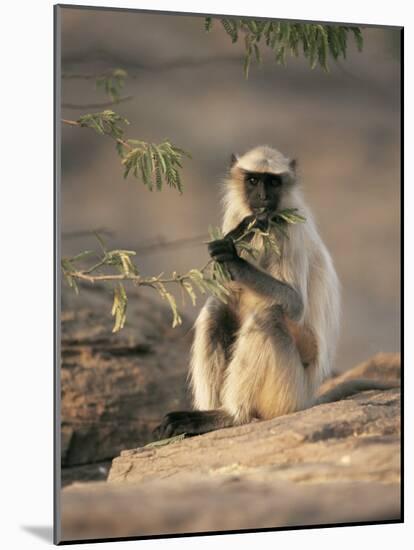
(262, 283)
(261, 222)
(238, 231)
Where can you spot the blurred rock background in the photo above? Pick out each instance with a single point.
(344, 128)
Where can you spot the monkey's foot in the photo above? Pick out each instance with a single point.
(191, 423)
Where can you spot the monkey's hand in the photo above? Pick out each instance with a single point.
(223, 250)
(241, 228)
(261, 222)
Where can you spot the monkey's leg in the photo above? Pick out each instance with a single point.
(215, 331)
(265, 377)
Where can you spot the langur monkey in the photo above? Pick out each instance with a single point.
(267, 350)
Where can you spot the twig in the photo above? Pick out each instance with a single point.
(76, 123)
(101, 105)
(132, 65)
(176, 278)
(137, 279)
(155, 246)
(87, 233)
(82, 76)
(155, 164)
(70, 122)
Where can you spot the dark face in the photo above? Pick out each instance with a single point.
(263, 191)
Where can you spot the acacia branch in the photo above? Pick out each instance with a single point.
(117, 139)
(101, 105)
(70, 122)
(87, 233)
(122, 260)
(212, 278)
(155, 164)
(136, 279)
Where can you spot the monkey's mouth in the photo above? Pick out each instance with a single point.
(263, 210)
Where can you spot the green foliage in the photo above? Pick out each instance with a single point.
(155, 164)
(316, 41)
(160, 164)
(218, 272)
(212, 279)
(289, 215)
(121, 259)
(165, 295)
(207, 23)
(107, 122)
(277, 227)
(112, 83)
(119, 307)
(126, 270)
(67, 269)
(269, 240)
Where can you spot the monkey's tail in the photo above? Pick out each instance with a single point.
(350, 387)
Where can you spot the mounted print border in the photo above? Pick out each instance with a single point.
(281, 409)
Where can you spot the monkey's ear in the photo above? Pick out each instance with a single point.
(233, 160)
(293, 164)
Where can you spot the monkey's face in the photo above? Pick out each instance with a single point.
(263, 191)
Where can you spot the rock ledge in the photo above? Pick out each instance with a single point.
(334, 463)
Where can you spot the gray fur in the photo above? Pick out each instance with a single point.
(264, 374)
(265, 352)
(267, 286)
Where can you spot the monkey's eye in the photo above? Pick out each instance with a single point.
(252, 180)
(276, 181)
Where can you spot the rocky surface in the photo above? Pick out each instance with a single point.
(381, 367)
(336, 462)
(354, 439)
(116, 387)
(194, 505)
